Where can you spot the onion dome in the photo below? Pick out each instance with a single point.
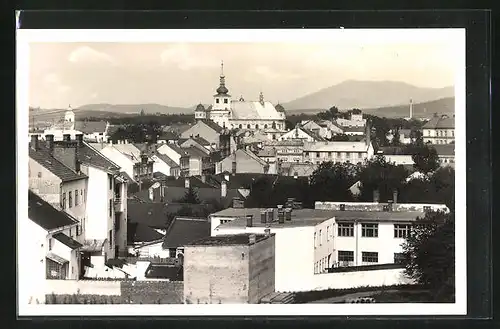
(200, 107)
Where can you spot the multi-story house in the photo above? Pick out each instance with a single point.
(198, 142)
(173, 151)
(200, 163)
(243, 161)
(300, 133)
(47, 249)
(349, 152)
(287, 150)
(439, 130)
(206, 129)
(55, 174)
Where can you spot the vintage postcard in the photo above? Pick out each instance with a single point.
(168, 172)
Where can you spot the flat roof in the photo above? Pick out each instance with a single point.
(228, 240)
(300, 217)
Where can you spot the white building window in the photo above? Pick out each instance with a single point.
(328, 233)
(320, 238)
(369, 230)
(345, 229)
(369, 257)
(401, 231)
(346, 256)
(315, 240)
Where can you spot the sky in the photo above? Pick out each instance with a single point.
(185, 74)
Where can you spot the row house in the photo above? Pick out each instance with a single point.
(439, 130)
(343, 152)
(48, 248)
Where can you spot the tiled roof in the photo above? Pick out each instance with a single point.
(440, 122)
(56, 258)
(46, 216)
(185, 230)
(89, 127)
(166, 159)
(67, 241)
(195, 152)
(213, 125)
(162, 271)
(43, 157)
(91, 156)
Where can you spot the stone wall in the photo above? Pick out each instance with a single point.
(152, 292)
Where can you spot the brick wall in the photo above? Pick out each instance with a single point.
(216, 274)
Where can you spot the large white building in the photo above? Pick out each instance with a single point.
(239, 113)
(336, 151)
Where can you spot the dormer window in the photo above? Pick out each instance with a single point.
(217, 100)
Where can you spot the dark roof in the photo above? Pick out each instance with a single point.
(162, 271)
(168, 135)
(200, 107)
(126, 176)
(313, 134)
(200, 140)
(395, 150)
(213, 125)
(67, 241)
(90, 156)
(89, 127)
(279, 108)
(46, 216)
(138, 232)
(195, 152)
(176, 148)
(43, 157)
(444, 149)
(440, 122)
(148, 213)
(185, 230)
(228, 240)
(165, 158)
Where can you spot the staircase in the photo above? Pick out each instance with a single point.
(278, 298)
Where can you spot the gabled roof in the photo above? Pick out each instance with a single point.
(176, 148)
(254, 110)
(171, 163)
(200, 140)
(43, 157)
(195, 152)
(90, 127)
(91, 156)
(139, 232)
(440, 122)
(253, 156)
(212, 125)
(185, 230)
(67, 241)
(46, 216)
(313, 134)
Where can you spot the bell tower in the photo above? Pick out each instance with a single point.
(221, 107)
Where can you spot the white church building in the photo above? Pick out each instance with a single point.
(242, 114)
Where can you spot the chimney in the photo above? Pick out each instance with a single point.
(186, 182)
(250, 222)
(281, 216)
(376, 196)
(34, 142)
(66, 137)
(252, 238)
(79, 140)
(223, 189)
(226, 177)
(151, 194)
(49, 141)
(395, 196)
(233, 167)
(263, 216)
(288, 214)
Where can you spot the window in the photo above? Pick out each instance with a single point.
(76, 198)
(225, 100)
(346, 229)
(306, 154)
(78, 230)
(70, 235)
(240, 126)
(398, 258)
(314, 239)
(110, 237)
(317, 154)
(50, 244)
(328, 233)
(63, 201)
(320, 238)
(369, 230)
(401, 230)
(110, 182)
(248, 126)
(84, 195)
(360, 155)
(110, 207)
(256, 126)
(369, 257)
(346, 256)
(217, 100)
(39, 174)
(70, 200)
(265, 126)
(338, 154)
(171, 252)
(329, 154)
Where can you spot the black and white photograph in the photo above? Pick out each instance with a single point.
(170, 171)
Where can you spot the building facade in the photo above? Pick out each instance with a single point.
(439, 130)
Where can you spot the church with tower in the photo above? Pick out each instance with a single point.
(240, 113)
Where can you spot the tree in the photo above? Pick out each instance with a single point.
(331, 182)
(395, 138)
(425, 158)
(142, 113)
(334, 112)
(443, 184)
(190, 197)
(378, 174)
(340, 138)
(429, 254)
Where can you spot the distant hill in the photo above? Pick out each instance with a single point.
(366, 95)
(420, 110)
(136, 108)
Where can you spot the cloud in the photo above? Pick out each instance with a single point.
(182, 57)
(86, 54)
(53, 82)
(266, 73)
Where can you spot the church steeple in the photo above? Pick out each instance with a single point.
(261, 98)
(222, 90)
